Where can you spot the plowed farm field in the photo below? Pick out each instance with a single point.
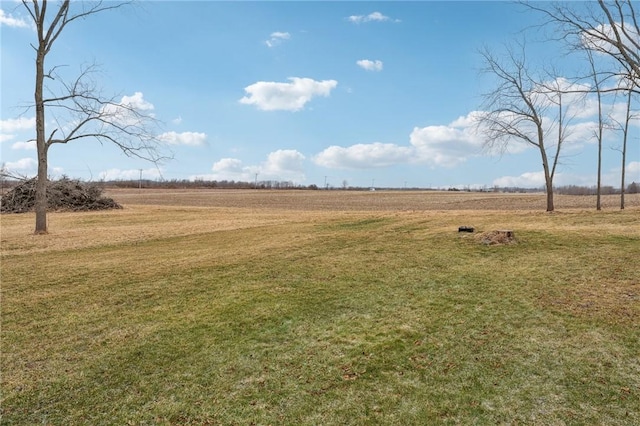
(362, 200)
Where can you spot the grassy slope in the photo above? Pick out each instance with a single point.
(321, 318)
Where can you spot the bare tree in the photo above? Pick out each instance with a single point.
(78, 107)
(624, 128)
(519, 110)
(606, 29)
(610, 28)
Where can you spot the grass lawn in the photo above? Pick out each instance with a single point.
(191, 315)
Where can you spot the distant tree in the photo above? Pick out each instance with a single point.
(76, 106)
(519, 110)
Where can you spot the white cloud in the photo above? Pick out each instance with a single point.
(130, 174)
(370, 65)
(229, 169)
(447, 146)
(30, 145)
(24, 164)
(127, 111)
(363, 156)
(525, 180)
(273, 96)
(276, 38)
(184, 138)
(444, 146)
(595, 38)
(280, 165)
(633, 170)
(17, 124)
(177, 120)
(372, 17)
(284, 164)
(10, 21)
(137, 102)
(230, 165)
(5, 137)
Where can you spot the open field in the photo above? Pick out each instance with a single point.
(322, 307)
(363, 200)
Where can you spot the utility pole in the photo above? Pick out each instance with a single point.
(140, 180)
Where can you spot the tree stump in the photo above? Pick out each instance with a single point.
(507, 233)
(504, 236)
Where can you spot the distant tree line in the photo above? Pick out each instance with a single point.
(201, 183)
(9, 181)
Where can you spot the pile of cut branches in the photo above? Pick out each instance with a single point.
(62, 195)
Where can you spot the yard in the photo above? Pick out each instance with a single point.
(322, 307)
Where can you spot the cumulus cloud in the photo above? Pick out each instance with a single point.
(447, 146)
(281, 165)
(10, 21)
(125, 111)
(292, 96)
(184, 138)
(370, 65)
(525, 180)
(444, 146)
(363, 156)
(22, 165)
(602, 38)
(30, 145)
(230, 169)
(283, 162)
(633, 170)
(17, 124)
(277, 38)
(372, 17)
(137, 101)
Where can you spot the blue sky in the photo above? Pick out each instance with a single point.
(368, 93)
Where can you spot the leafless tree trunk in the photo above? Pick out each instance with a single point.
(515, 112)
(599, 132)
(83, 112)
(625, 133)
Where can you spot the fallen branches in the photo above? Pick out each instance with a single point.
(62, 195)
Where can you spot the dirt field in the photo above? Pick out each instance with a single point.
(361, 200)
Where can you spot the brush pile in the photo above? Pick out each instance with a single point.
(62, 195)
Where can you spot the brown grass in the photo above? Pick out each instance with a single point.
(321, 307)
(225, 210)
(362, 200)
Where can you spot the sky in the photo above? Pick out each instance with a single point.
(359, 93)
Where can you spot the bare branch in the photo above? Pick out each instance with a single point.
(610, 29)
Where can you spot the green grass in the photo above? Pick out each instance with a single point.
(366, 319)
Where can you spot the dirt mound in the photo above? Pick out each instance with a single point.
(496, 237)
(62, 195)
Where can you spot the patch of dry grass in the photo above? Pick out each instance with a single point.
(161, 314)
(361, 200)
